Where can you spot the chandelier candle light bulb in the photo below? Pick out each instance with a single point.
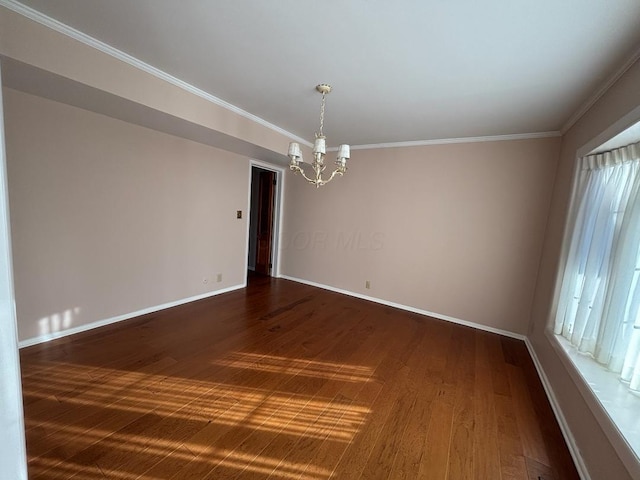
(295, 154)
(344, 152)
(320, 146)
(319, 151)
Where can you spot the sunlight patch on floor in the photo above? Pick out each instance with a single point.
(69, 405)
(275, 467)
(292, 366)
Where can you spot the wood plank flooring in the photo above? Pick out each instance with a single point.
(286, 381)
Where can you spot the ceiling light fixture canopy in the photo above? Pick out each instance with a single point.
(319, 151)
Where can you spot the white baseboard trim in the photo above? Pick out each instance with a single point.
(101, 323)
(407, 308)
(562, 421)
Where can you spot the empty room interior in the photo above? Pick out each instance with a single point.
(345, 240)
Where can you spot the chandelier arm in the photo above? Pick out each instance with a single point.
(299, 170)
(337, 171)
(318, 169)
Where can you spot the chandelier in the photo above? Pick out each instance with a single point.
(319, 151)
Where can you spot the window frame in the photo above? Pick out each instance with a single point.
(604, 409)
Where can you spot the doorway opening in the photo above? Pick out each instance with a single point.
(263, 220)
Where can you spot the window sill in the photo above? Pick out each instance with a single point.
(615, 408)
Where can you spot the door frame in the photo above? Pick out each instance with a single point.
(13, 457)
(278, 195)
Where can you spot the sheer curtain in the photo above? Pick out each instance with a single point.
(599, 309)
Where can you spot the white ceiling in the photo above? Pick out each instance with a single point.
(409, 70)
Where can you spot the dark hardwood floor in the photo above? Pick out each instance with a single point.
(283, 381)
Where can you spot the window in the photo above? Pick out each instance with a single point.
(599, 305)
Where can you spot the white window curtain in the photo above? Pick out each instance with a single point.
(599, 308)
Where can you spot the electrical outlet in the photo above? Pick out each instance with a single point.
(367, 284)
(238, 213)
(219, 278)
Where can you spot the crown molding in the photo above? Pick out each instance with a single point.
(445, 141)
(71, 32)
(79, 36)
(584, 108)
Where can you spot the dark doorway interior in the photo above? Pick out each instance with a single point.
(263, 186)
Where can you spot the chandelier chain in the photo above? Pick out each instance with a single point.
(322, 115)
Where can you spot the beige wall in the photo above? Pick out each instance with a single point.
(602, 461)
(109, 218)
(452, 229)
